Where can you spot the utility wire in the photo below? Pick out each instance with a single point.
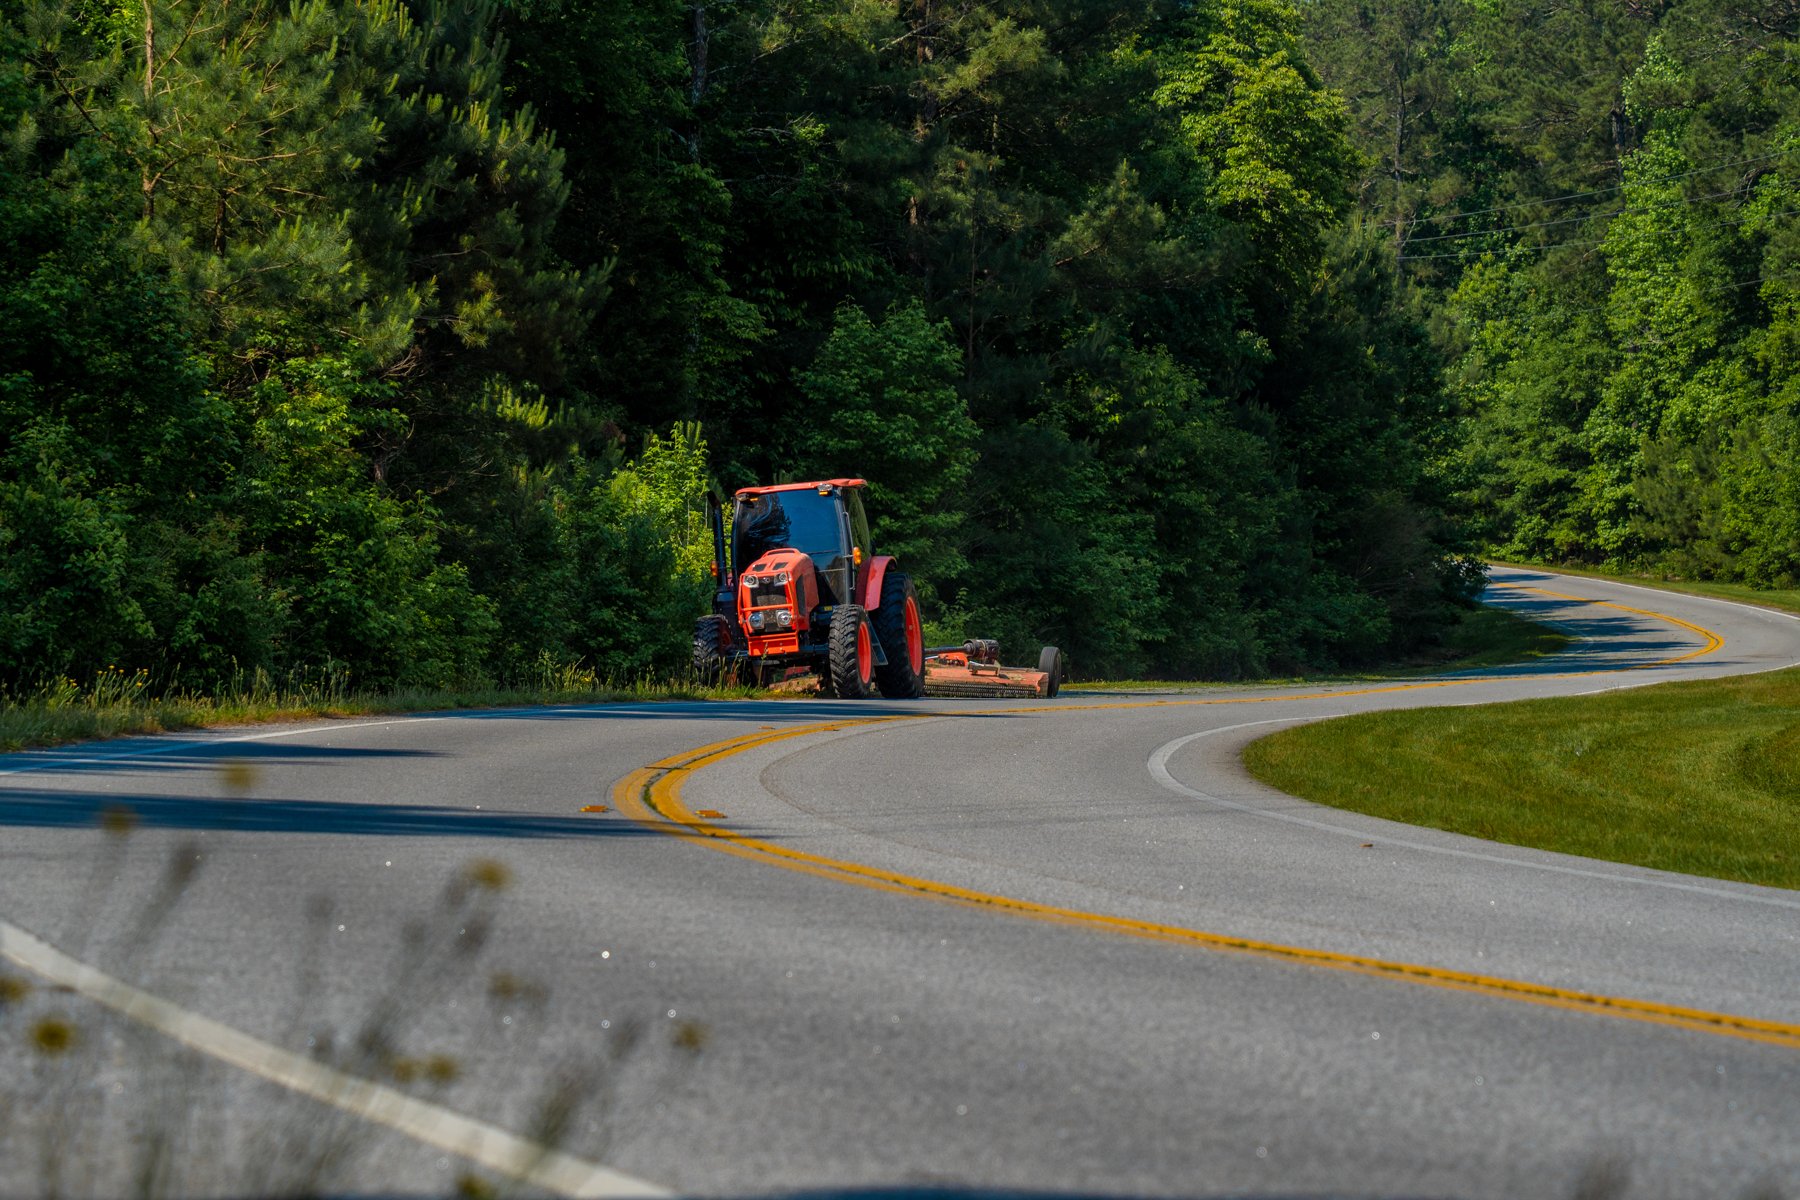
(1605, 191)
(1559, 245)
(1721, 289)
(1444, 237)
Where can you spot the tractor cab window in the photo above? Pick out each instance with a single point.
(859, 523)
(798, 520)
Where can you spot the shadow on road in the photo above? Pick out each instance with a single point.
(955, 1193)
(208, 751)
(46, 809)
(1607, 639)
(187, 756)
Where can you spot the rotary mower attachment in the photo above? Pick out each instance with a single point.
(973, 670)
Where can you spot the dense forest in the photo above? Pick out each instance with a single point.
(402, 339)
(1594, 205)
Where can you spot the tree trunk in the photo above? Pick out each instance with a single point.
(1618, 139)
(148, 181)
(696, 74)
(1399, 174)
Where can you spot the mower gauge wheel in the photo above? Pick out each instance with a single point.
(1050, 662)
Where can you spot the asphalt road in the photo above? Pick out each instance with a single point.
(988, 948)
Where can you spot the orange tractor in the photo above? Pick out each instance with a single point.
(803, 591)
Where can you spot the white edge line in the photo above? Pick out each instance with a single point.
(1158, 763)
(432, 1124)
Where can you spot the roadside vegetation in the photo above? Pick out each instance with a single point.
(1484, 637)
(97, 1104)
(1700, 778)
(121, 705)
(117, 705)
(1202, 340)
(406, 338)
(1614, 287)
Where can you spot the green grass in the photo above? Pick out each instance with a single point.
(1785, 599)
(1485, 637)
(1701, 778)
(119, 705)
(1488, 637)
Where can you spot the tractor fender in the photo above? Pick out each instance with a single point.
(868, 580)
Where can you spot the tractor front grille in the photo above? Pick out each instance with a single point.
(768, 597)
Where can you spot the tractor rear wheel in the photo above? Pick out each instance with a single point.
(1050, 663)
(711, 637)
(851, 669)
(902, 637)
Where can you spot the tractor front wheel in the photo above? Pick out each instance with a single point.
(902, 640)
(852, 654)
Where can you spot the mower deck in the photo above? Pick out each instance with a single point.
(957, 674)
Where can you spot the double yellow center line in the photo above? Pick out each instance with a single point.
(652, 796)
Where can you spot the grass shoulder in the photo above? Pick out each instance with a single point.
(1697, 777)
(70, 713)
(1485, 637)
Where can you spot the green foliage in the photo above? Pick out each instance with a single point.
(250, 311)
(1252, 109)
(1607, 244)
(881, 402)
(666, 488)
(325, 331)
(360, 567)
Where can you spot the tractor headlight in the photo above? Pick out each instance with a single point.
(781, 578)
(756, 620)
(784, 618)
(749, 581)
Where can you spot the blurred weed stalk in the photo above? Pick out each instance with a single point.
(109, 1106)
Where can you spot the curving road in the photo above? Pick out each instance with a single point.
(973, 947)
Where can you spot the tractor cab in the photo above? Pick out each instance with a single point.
(823, 521)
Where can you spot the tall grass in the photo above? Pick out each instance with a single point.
(96, 1105)
(116, 703)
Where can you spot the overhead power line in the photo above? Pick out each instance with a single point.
(1474, 233)
(1607, 191)
(1735, 285)
(1573, 245)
